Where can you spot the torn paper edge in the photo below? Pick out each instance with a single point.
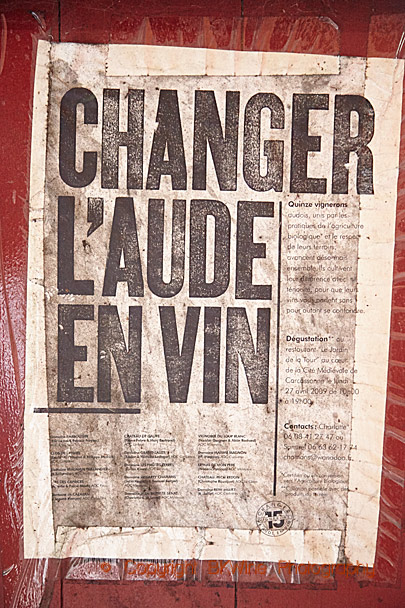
(375, 277)
(37, 495)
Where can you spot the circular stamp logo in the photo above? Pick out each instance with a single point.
(274, 518)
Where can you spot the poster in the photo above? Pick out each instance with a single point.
(210, 265)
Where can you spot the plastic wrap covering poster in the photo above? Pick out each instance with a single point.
(210, 267)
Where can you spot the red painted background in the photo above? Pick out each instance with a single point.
(347, 27)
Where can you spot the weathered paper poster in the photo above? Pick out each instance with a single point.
(209, 290)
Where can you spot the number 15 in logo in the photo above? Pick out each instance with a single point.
(274, 518)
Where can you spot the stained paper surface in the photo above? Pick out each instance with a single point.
(209, 291)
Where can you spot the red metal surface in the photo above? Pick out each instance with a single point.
(364, 27)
